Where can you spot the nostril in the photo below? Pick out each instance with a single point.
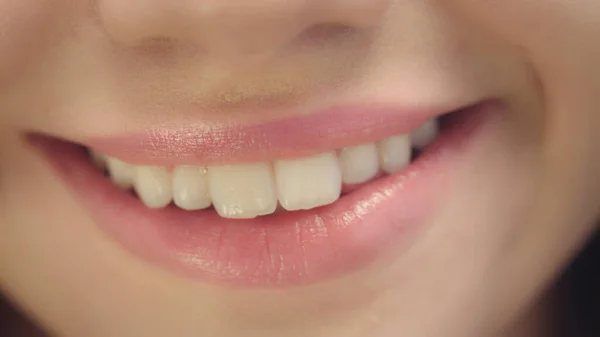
(234, 25)
(127, 23)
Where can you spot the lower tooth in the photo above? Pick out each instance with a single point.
(425, 134)
(153, 186)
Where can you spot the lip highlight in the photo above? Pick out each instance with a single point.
(283, 249)
(229, 143)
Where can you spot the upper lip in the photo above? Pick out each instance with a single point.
(297, 136)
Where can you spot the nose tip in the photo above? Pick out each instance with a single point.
(233, 26)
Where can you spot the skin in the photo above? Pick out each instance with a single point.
(522, 205)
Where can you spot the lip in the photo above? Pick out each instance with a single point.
(283, 249)
(218, 142)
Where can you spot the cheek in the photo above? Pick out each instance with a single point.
(560, 40)
(26, 28)
(544, 29)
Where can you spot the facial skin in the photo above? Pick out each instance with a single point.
(522, 207)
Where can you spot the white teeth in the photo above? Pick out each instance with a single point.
(121, 173)
(308, 182)
(425, 134)
(153, 186)
(395, 153)
(359, 164)
(242, 191)
(190, 187)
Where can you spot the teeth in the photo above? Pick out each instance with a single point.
(153, 186)
(308, 182)
(425, 134)
(359, 163)
(242, 191)
(250, 190)
(190, 187)
(395, 153)
(121, 173)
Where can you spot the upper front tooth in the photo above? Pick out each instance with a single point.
(242, 191)
(395, 153)
(308, 182)
(153, 186)
(359, 163)
(121, 173)
(425, 134)
(190, 187)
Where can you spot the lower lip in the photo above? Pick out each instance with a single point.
(283, 249)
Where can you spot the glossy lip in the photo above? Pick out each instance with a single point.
(218, 142)
(283, 249)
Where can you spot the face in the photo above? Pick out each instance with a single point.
(343, 202)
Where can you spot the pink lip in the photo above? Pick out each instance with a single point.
(283, 249)
(220, 143)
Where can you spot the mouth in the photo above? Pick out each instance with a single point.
(249, 190)
(273, 205)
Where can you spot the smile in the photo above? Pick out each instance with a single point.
(278, 204)
(245, 191)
